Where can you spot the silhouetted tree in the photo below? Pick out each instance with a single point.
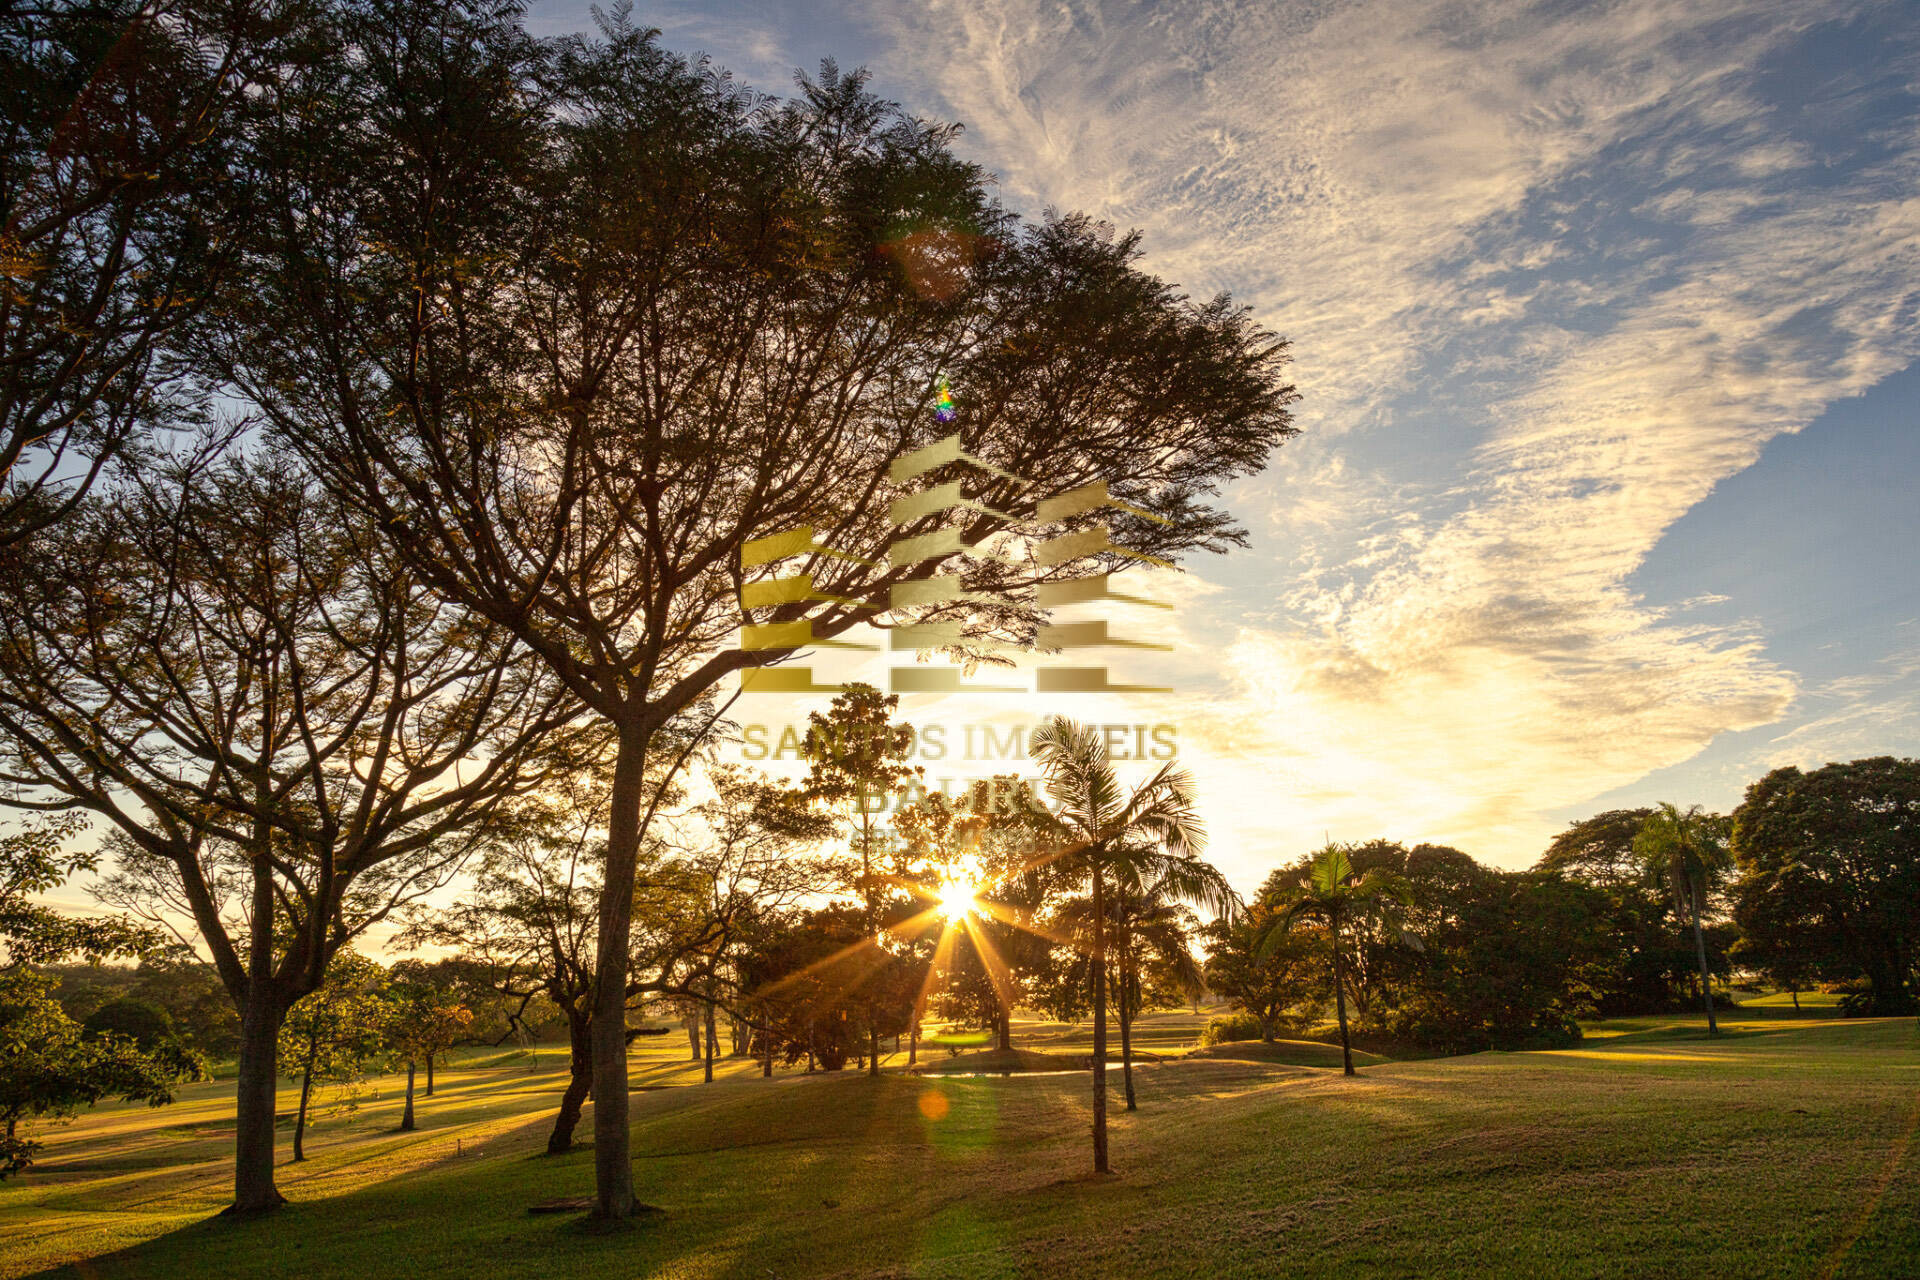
(1687, 853)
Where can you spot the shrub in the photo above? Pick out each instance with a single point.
(141, 1021)
(1230, 1028)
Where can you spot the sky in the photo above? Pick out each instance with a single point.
(1602, 317)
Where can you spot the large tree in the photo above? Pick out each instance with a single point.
(1830, 861)
(286, 737)
(582, 327)
(117, 222)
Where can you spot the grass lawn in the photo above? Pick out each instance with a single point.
(1786, 1148)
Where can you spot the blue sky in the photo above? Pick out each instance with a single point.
(1602, 316)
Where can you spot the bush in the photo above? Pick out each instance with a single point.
(1232, 1027)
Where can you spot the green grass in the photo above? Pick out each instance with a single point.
(1786, 1148)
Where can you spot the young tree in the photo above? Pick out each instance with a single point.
(421, 1023)
(1154, 929)
(1334, 895)
(633, 348)
(1097, 820)
(287, 737)
(1687, 854)
(332, 1033)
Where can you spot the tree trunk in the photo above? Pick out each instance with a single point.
(406, 1113)
(429, 1075)
(713, 1044)
(612, 1161)
(692, 1024)
(579, 1084)
(306, 1092)
(1126, 1026)
(1700, 952)
(1795, 993)
(913, 1043)
(1005, 1030)
(766, 1046)
(1340, 1001)
(254, 1102)
(1099, 1023)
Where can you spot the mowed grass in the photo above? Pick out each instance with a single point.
(1785, 1148)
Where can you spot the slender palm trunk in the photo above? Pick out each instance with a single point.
(1700, 953)
(406, 1113)
(1126, 1016)
(1099, 1023)
(1340, 1000)
(612, 1160)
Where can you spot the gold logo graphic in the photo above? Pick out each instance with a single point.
(939, 544)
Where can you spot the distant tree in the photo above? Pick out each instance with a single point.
(1332, 894)
(49, 1069)
(802, 976)
(858, 767)
(1096, 821)
(1154, 929)
(1830, 869)
(421, 1023)
(141, 1021)
(1600, 849)
(638, 319)
(1644, 969)
(196, 1001)
(1282, 982)
(332, 1033)
(1687, 854)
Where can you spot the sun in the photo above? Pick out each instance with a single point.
(957, 899)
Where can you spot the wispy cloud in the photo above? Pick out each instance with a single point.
(1552, 273)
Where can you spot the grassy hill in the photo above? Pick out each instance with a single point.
(1786, 1148)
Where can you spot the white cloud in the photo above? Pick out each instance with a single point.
(1570, 240)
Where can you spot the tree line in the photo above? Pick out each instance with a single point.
(1814, 879)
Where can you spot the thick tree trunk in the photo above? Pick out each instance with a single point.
(1005, 1029)
(1700, 953)
(1126, 1029)
(579, 1084)
(429, 1075)
(406, 1112)
(254, 1102)
(1099, 1024)
(612, 1162)
(692, 1024)
(1340, 1001)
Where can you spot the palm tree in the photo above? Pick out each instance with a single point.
(1151, 918)
(1687, 853)
(1096, 819)
(1332, 894)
